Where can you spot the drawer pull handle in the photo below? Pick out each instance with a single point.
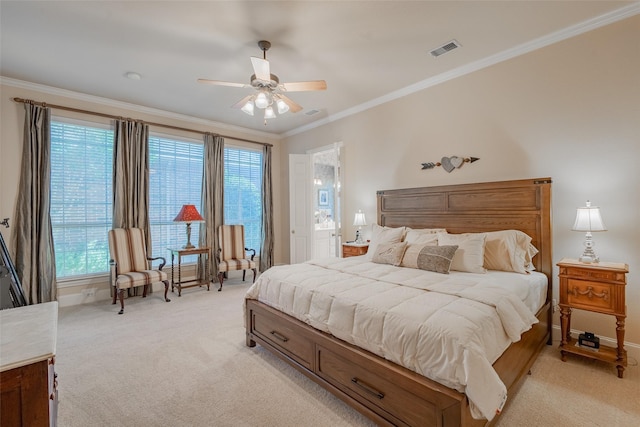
(366, 387)
(590, 294)
(279, 336)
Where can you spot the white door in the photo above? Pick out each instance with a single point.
(300, 208)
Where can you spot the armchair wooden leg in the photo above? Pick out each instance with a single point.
(243, 274)
(254, 275)
(144, 291)
(220, 279)
(121, 297)
(166, 289)
(115, 294)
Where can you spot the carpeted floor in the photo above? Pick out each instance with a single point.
(185, 363)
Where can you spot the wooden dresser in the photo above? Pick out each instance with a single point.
(28, 388)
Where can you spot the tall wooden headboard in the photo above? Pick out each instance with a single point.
(523, 205)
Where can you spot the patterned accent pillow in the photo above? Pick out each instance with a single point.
(389, 253)
(435, 258)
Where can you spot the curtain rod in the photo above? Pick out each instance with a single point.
(110, 116)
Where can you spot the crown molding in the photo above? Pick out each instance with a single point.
(50, 90)
(552, 38)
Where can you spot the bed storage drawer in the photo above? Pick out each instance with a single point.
(363, 379)
(285, 336)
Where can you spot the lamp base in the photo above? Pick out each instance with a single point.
(589, 255)
(188, 246)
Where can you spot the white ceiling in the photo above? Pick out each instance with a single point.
(367, 51)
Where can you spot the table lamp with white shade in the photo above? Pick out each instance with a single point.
(588, 219)
(359, 220)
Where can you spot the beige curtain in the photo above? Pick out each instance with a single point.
(212, 209)
(266, 253)
(131, 177)
(131, 180)
(33, 237)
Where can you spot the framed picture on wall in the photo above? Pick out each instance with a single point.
(323, 197)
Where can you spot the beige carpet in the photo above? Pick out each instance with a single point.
(185, 363)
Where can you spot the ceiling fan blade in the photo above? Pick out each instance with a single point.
(305, 86)
(294, 107)
(261, 68)
(221, 83)
(242, 102)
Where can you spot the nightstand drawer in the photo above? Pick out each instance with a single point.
(594, 274)
(353, 250)
(591, 295)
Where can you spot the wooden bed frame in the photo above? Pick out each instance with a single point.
(383, 391)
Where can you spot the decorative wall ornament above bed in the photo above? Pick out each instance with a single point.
(450, 163)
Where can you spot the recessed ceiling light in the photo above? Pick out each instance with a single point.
(133, 75)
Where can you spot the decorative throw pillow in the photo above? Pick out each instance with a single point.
(389, 253)
(383, 235)
(424, 235)
(410, 257)
(508, 250)
(470, 254)
(431, 258)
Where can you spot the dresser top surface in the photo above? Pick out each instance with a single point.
(27, 334)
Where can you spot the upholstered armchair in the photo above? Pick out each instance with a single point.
(232, 254)
(130, 266)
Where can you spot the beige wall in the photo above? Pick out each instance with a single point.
(11, 121)
(570, 111)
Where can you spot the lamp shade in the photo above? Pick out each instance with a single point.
(188, 213)
(588, 218)
(359, 219)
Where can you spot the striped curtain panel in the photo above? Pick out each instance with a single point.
(131, 177)
(35, 258)
(266, 254)
(131, 180)
(212, 209)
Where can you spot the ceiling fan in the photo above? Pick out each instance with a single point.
(269, 89)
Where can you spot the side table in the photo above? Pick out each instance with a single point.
(180, 284)
(354, 249)
(600, 288)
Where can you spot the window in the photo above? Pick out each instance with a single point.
(175, 179)
(243, 192)
(81, 196)
(81, 193)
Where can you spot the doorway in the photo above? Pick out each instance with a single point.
(315, 203)
(326, 202)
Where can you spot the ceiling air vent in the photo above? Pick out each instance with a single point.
(312, 112)
(447, 47)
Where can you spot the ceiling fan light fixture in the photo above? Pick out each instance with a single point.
(248, 107)
(262, 100)
(269, 113)
(282, 106)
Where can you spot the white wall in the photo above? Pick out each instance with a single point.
(570, 111)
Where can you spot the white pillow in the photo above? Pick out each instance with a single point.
(508, 250)
(424, 235)
(389, 253)
(470, 254)
(383, 235)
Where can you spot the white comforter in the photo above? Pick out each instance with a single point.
(450, 328)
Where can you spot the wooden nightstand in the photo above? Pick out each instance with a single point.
(354, 249)
(600, 288)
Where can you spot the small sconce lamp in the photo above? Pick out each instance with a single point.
(359, 220)
(188, 214)
(588, 219)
